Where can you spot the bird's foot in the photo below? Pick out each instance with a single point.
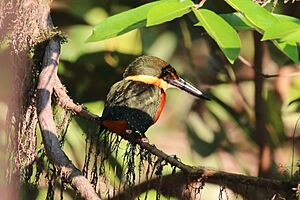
(143, 139)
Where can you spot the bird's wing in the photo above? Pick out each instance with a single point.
(136, 95)
(133, 101)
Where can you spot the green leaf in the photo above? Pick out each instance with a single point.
(236, 117)
(293, 37)
(257, 15)
(290, 49)
(274, 117)
(286, 18)
(262, 20)
(201, 146)
(168, 11)
(281, 30)
(225, 36)
(238, 21)
(294, 101)
(122, 23)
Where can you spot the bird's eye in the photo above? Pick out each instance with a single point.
(164, 73)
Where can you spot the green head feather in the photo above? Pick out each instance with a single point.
(145, 65)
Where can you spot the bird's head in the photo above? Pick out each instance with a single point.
(153, 70)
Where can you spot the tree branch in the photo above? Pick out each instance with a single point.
(67, 103)
(176, 185)
(229, 180)
(260, 134)
(48, 128)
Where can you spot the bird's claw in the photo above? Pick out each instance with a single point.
(143, 139)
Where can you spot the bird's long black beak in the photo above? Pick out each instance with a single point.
(183, 85)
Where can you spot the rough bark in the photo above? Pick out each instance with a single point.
(48, 128)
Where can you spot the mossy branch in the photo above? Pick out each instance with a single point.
(56, 156)
(203, 174)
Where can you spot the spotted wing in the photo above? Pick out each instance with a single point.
(134, 102)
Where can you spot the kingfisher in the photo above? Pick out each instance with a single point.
(136, 102)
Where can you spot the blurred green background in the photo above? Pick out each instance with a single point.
(216, 134)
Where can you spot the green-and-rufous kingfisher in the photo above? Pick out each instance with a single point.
(136, 102)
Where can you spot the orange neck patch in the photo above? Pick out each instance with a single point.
(150, 80)
(161, 106)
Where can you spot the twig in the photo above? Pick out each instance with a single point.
(48, 128)
(200, 4)
(248, 64)
(67, 103)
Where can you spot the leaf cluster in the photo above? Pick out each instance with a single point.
(282, 30)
